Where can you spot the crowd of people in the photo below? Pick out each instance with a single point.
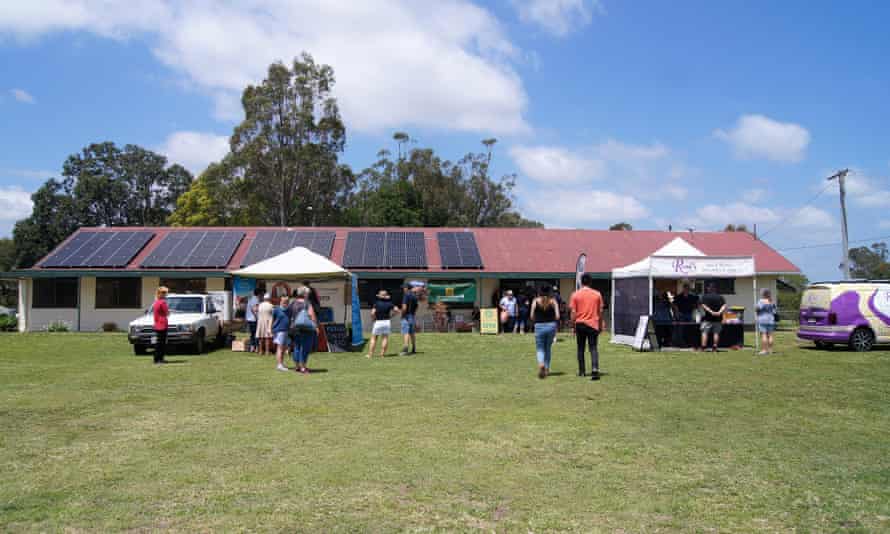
(291, 326)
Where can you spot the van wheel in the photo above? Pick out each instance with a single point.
(862, 340)
(140, 350)
(199, 345)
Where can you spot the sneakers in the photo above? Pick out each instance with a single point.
(282, 368)
(404, 351)
(595, 375)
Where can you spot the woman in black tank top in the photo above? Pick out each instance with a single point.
(545, 313)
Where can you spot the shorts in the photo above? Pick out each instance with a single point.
(281, 338)
(408, 325)
(711, 328)
(381, 328)
(766, 328)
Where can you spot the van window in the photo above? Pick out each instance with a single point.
(816, 297)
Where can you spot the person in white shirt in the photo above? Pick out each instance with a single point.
(508, 311)
(250, 316)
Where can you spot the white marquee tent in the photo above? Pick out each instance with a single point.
(297, 263)
(632, 285)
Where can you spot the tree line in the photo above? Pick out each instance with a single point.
(283, 169)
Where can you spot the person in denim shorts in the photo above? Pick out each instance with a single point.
(409, 310)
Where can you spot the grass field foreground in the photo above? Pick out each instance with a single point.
(462, 436)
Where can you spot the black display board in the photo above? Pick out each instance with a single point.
(337, 337)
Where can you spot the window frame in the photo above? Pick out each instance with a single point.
(117, 290)
(57, 303)
(172, 283)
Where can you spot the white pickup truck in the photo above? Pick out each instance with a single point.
(193, 320)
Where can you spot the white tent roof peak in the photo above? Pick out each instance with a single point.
(298, 262)
(678, 247)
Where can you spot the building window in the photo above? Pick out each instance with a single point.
(368, 288)
(55, 293)
(725, 286)
(185, 285)
(118, 293)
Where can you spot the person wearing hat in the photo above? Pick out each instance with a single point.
(264, 324)
(381, 314)
(508, 311)
(409, 310)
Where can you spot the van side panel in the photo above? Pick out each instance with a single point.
(853, 306)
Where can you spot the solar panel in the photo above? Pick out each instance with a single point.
(195, 249)
(269, 243)
(99, 249)
(458, 250)
(385, 249)
(355, 249)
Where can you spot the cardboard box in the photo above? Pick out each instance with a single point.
(238, 346)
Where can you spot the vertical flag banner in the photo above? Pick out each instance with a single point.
(357, 337)
(579, 270)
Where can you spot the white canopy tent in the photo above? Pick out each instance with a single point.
(632, 285)
(297, 263)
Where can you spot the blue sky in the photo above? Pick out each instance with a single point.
(693, 114)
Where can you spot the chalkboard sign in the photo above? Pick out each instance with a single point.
(337, 337)
(642, 340)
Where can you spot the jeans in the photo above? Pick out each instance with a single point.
(589, 336)
(303, 343)
(161, 346)
(251, 327)
(544, 335)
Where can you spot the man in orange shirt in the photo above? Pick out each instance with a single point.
(587, 314)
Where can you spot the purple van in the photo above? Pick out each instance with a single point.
(855, 313)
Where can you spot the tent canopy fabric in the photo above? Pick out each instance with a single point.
(679, 259)
(298, 262)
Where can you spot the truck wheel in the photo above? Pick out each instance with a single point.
(199, 342)
(140, 350)
(862, 340)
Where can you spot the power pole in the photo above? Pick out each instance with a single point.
(845, 262)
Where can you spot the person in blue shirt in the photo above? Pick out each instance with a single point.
(766, 321)
(409, 310)
(280, 325)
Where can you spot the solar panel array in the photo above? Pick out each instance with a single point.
(194, 249)
(99, 249)
(458, 250)
(385, 250)
(269, 243)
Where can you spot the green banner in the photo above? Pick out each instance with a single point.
(462, 292)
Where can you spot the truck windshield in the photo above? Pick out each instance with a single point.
(184, 305)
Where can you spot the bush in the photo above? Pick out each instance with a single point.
(109, 327)
(58, 326)
(8, 323)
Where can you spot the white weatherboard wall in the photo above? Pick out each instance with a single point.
(40, 318)
(92, 318)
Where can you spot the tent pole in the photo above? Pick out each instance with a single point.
(756, 333)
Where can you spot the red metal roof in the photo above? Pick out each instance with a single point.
(522, 250)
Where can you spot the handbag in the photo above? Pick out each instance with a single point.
(302, 323)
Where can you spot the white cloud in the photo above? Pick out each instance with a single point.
(558, 17)
(867, 192)
(399, 63)
(753, 196)
(15, 204)
(22, 96)
(556, 164)
(676, 192)
(567, 208)
(714, 217)
(759, 137)
(194, 150)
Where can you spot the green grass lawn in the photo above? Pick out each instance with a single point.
(462, 436)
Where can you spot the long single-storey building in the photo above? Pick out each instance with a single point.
(102, 276)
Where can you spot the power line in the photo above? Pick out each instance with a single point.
(823, 245)
(798, 210)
